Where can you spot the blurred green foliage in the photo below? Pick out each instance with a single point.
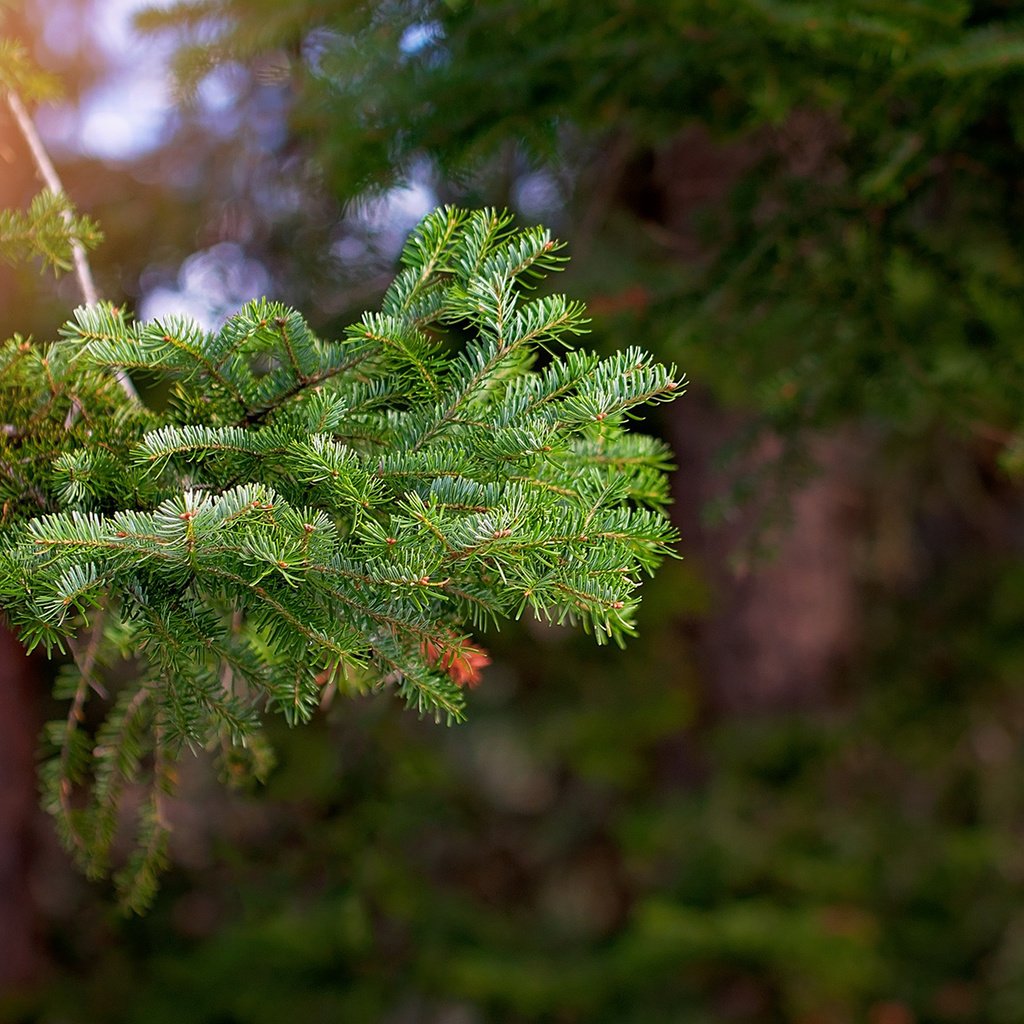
(858, 235)
(583, 851)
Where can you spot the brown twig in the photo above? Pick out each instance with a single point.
(52, 181)
(83, 272)
(64, 784)
(85, 659)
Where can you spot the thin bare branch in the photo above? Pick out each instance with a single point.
(52, 181)
(83, 272)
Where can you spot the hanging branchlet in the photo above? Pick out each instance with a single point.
(307, 513)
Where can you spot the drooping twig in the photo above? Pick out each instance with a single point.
(85, 659)
(64, 784)
(83, 272)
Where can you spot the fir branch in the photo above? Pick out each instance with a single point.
(307, 503)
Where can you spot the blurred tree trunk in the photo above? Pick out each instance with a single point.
(20, 950)
(781, 626)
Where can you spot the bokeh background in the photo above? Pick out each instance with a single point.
(798, 796)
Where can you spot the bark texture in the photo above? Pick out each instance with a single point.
(780, 627)
(20, 948)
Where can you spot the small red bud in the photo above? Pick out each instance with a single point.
(462, 661)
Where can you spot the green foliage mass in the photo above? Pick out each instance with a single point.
(304, 511)
(863, 259)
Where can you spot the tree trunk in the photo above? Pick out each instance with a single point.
(20, 948)
(781, 625)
